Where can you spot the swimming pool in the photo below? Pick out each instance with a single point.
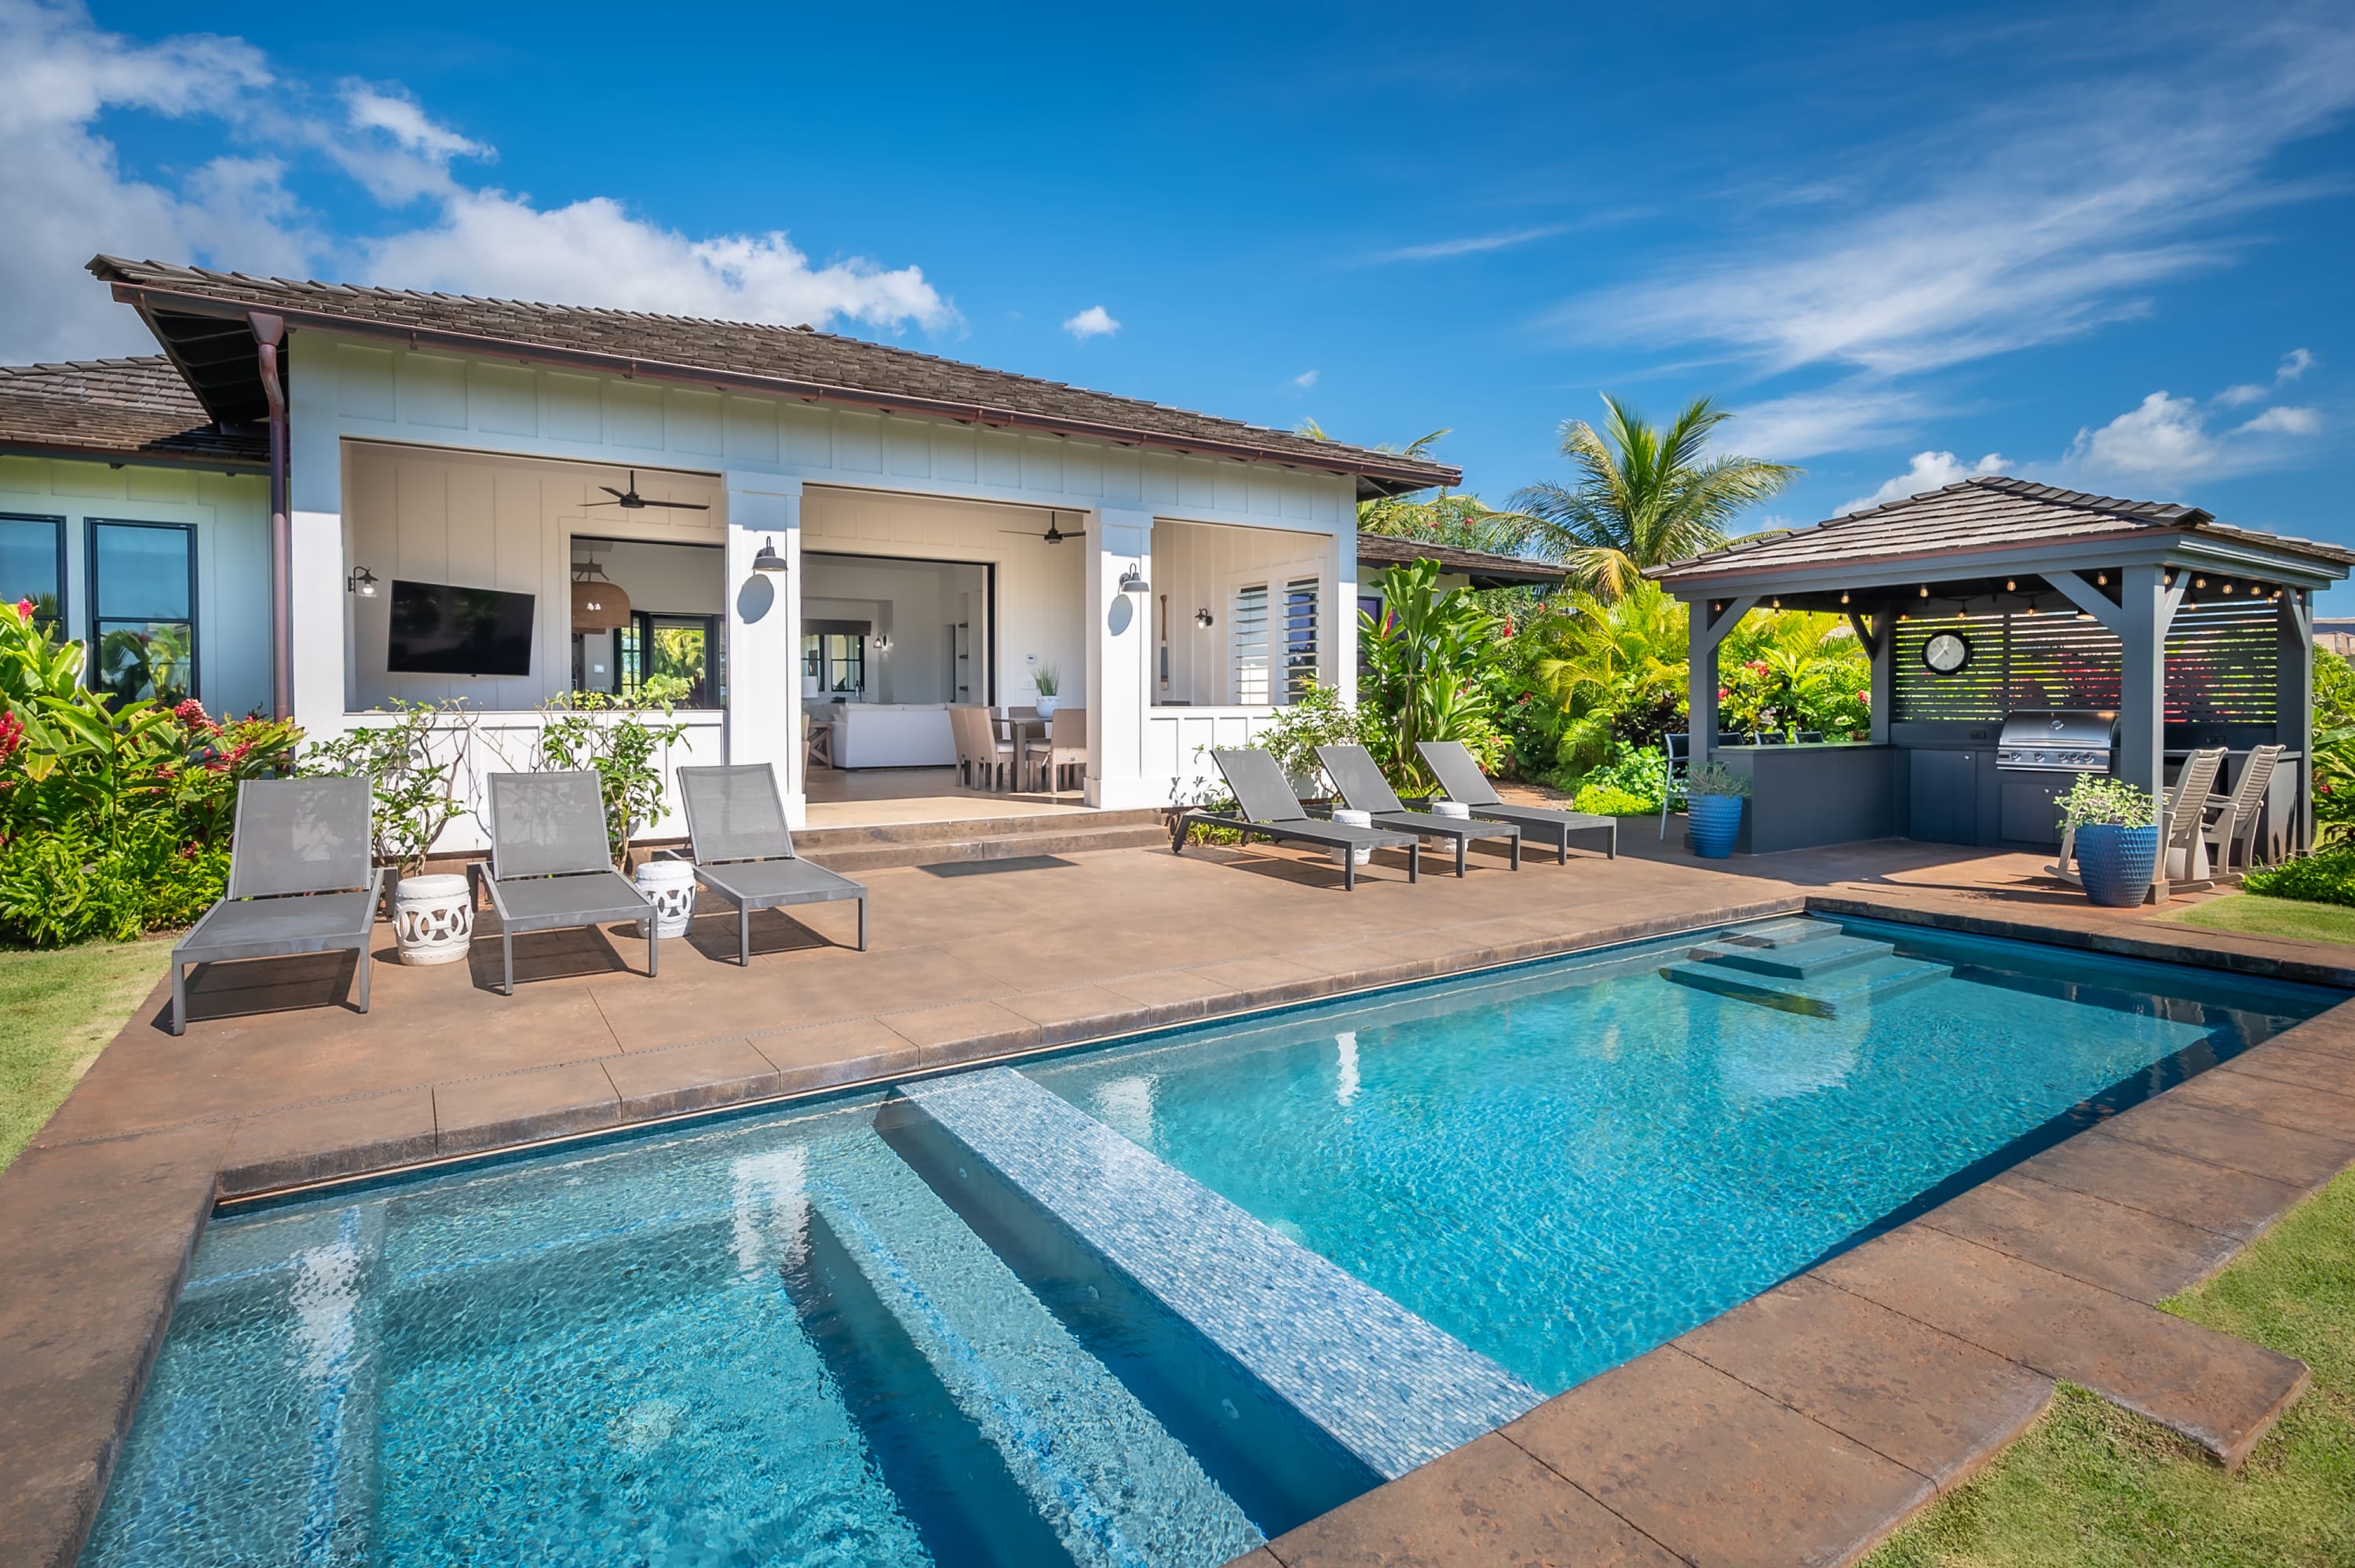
(1091, 1311)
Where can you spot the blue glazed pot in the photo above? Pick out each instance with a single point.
(2117, 864)
(1713, 820)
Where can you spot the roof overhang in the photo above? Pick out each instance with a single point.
(207, 338)
(209, 462)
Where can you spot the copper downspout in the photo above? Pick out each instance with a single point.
(269, 332)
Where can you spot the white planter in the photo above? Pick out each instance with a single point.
(1348, 817)
(1456, 809)
(432, 919)
(1047, 706)
(670, 885)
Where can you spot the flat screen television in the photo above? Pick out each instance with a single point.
(441, 629)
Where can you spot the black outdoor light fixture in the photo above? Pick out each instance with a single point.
(1202, 617)
(362, 582)
(768, 560)
(1133, 580)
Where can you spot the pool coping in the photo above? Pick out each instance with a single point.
(114, 1223)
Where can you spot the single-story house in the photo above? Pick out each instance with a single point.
(320, 499)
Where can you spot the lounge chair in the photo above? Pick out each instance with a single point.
(299, 881)
(1461, 777)
(744, 852)
(551, 868)
(1267, 809)
(2230, 828)
(1354, 773)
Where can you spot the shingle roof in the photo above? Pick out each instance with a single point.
(1987, 515)
(117, 409)
(793, 361)
(1389, 550)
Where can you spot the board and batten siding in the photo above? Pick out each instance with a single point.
(232, 516)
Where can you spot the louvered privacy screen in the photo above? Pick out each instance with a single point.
(1248, 620)
(2219, 666)
(1299, 638)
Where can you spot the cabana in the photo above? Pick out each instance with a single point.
(1999, 613)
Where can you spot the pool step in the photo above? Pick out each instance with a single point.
(1797, 961)
(1836, 994)
(1105, 1477)
(1780, 933)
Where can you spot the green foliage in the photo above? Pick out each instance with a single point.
(1318, 717)
(417, 793)
(1047, 680)
(1714, 778)
(1643, 496)
(1431, 661)
(1787, 671)
(2334, 746)
(611, 736)
(1615, 669)
(2326, 877)
(1609, 801)
(1644, 775)
(2095, 800)
(114, 816)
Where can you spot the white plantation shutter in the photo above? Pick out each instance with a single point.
(1248, 621)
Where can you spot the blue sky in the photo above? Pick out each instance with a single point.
(2100, 245)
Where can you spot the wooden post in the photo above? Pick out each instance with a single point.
(1876, 634)
(1709, 621)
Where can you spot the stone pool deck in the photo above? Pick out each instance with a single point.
(1797, 1428)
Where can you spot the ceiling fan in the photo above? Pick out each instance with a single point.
(631, 500)
(1053, 536)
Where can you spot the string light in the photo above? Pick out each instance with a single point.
(2102, 578)
(1925, 590)
(2199, 582)
(2228, 588)
(1843, 598)
(2009, 586)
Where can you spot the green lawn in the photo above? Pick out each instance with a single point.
(2261, 916)
(2091, 1485)
(57, 1010)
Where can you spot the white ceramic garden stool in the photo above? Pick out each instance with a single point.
(669, 885)
(1456, 809)
(432, 918)
(1350, 819)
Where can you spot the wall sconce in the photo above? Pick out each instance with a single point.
(362, 582)
(1202, 617)
(768, 560)
(1133, 580)
(883, 642)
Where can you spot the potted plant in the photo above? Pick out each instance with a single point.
(1050, 684)
(2114, 829)
(1714, 815)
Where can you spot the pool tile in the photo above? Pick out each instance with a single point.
(1485, 1503)
(2132, 1252)
(2221, 1393)
(2196, 1192)
(1716, 1471)
(1936, 1405)
(2301, 1159)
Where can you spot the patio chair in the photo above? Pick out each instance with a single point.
(1267, 809)
(1677, 747)
(1359, 779)
(980, 754)
(745, 852)
(299, 881)
(551, 868)
(2230, 826)
(1459, 774)
(2178, 826)
(1065, 745)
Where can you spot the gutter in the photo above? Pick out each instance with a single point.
(1372, 467)
(131, 457)
(269, 332)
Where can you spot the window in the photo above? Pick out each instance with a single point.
(1248, 621)
(33, 564)
(1299, 638)
(142, 584)
(683, 647)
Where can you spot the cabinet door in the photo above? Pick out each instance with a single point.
(1945, 796)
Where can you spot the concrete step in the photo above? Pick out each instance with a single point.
(811, 840)
(1800, 959)
(1837, 994)
(1780, 933)
(1078, 835)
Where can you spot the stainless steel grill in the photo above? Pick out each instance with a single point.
(2057, 740)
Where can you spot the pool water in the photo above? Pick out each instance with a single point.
(801, 1338)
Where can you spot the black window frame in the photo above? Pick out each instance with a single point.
(58, 524)
(97, 591)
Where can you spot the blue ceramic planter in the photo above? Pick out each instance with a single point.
(1713, 820)
(2117, 864)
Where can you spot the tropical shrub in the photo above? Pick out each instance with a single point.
(1609, 801)
(1317, 717)
(417, 792)
(2334, 747)
(611, 738)
(115, 815)
(2326, 877)
(1430, 660)
(1644, 775)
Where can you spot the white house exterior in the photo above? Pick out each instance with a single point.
(465, 442)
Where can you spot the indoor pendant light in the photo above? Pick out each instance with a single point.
(598, 602)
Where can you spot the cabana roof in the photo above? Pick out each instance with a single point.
(1989, 529)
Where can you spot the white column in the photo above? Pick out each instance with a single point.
(316, 574)
(1120, 661)
(764, 632)
(1343, 639)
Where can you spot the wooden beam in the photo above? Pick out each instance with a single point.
(2090, 599)
(1867, 633)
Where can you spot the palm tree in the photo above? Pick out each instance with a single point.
(1645, 496)
(1450, 517)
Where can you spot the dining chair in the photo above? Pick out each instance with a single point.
(1065, 744)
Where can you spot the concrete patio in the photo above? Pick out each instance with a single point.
(1799, 1428)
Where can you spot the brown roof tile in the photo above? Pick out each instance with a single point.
(793, 361)
(117, 409)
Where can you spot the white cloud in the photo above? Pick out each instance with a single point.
(2168, 439)
(2285, 421)
(1093, 322)
(1305, 380)
(2295, 364)
(1928, 471)
(1842, 418)
(2035, 221)
(70, 195)
(1471, 245)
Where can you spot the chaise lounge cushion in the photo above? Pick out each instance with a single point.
(592, 896)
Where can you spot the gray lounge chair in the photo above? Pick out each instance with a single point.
(1359, 779)
(1268, 808)
(744, 852)
(299, 881)
(550, 869)
(1461, 777)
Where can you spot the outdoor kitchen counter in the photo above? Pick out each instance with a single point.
(1802, 796)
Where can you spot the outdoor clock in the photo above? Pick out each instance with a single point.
(1947, 653)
